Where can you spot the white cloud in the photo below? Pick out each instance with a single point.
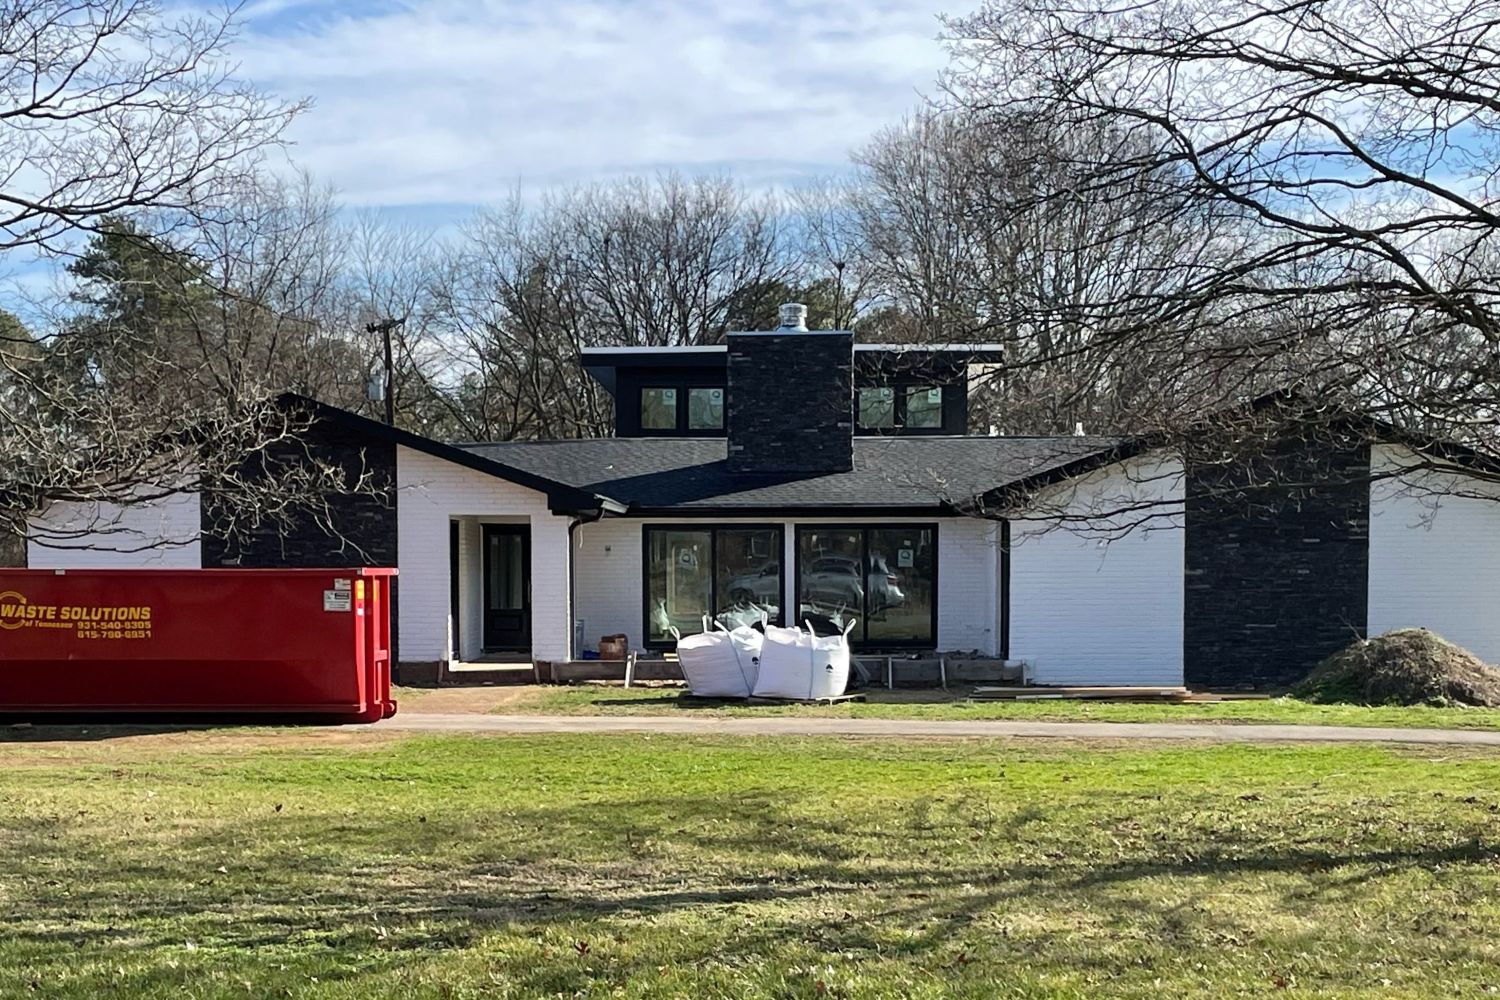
(446, 101)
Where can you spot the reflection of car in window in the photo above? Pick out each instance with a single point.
(885, 586)
(835, 581)
(760, 585)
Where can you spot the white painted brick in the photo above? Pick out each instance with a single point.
(161, 534)
(968, 586)
(607, 564)
(1088, 607)
(1434, 555)
(433, 492)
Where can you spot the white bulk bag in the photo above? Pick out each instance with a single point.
(719, 664)
(785, 664)
(746, 643)
(798, 664)
(830, 663)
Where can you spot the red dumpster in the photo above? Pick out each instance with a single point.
(300, 641)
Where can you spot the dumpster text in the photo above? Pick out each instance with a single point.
(96, 621)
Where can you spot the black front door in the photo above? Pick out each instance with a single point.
(507, 588)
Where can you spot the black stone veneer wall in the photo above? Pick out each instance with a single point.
(366, 522)
(1275, 580)
(791, 401)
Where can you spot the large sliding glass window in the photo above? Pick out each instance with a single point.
(883, 575)
(732, 573)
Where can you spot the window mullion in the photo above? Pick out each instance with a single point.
(713, 573)
(864, 584)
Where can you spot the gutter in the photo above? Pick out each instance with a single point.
(591, 506)
(586, 517)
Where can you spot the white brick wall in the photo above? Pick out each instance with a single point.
(607, 567)
(162, 534)
(433, 492)
(1434, 556)
(968, 585)
(1089, 608)
(609, 577)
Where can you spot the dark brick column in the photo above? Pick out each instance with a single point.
(1276, 578)
(367, 521)
(791, 401)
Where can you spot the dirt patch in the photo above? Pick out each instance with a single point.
(465, 700)
(1409, 666)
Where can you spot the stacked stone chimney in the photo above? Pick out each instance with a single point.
(790, 401)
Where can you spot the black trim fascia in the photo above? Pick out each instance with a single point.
(1005, 590)
(561, 498)
(1109, 455)
(791, 513)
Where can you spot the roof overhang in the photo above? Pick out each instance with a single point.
(722, 511)
(561, 497)
(601, 363)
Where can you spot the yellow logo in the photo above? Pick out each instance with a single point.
(86, 621)
(13, 610)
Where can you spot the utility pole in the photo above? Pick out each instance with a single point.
(384, 327)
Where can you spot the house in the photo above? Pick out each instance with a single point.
(802, 476)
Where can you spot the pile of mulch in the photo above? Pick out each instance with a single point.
(1410, 666)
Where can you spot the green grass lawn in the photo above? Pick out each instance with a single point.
(632, 866)
(591, 699)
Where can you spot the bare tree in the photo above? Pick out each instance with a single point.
(667, 261)
(390, 272)
(834, 250)
(660, 262)
(1357, 138)
(110, 105)
(979, 229)
(124, 121)
(164, 379)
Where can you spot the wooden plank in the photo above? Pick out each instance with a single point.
(564, 672)
(1059, 693)
(1081, 689)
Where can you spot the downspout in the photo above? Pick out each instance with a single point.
(578, 519)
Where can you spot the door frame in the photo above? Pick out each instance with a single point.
(523, 531)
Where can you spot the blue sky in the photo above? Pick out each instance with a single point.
(426, 107)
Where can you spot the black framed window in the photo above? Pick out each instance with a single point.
(733, 573)
(924, 407)
(682, 409)
(885, 575)
(705, 409)
(905, 407)
(658, 408)
(877, 407)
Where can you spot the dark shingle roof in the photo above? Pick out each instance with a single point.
(657, 474)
